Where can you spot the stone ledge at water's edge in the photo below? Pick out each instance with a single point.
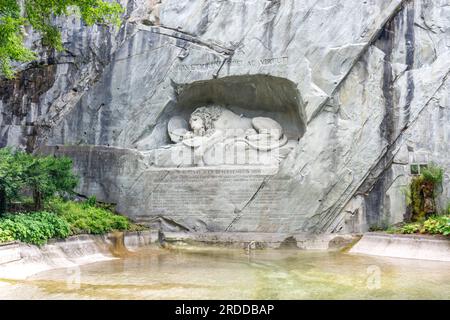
(422, 247)
(263, 240)
(20, 260)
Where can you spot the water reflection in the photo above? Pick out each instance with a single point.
(216, 273)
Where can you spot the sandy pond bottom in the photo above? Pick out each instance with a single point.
(216, 273)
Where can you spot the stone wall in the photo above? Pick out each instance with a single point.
(20, 260)
(423, 247)
(363, 84)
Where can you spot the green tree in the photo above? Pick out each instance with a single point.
(47, 176)
(11, 176)
(16, 14)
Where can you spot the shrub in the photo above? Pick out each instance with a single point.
(35, 228)
(6, 236)
(90, 202)
(410, 228)
(84, 218)
(68, 218)
(432, 225)
(446, 228)
(437, 225)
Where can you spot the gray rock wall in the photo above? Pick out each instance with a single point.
(362, 84)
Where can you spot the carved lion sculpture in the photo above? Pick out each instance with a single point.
(215, 123)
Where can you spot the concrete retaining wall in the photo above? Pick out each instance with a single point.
(404, 246)
(20, 260)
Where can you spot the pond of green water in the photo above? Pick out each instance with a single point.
(217, 273)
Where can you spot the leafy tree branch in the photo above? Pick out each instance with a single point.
(16, 14)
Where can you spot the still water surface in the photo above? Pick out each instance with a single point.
(216, 273)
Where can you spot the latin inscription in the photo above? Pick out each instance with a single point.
(234, 62)
(216, 193)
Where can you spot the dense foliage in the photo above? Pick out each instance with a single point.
(61, 219)
(16, 14)
(433, 173)
(432, 225)
(35, 227)
(421, 198)
(88, 218)
(47, 178)
(11, 177)
(422, 192)
(44, 176)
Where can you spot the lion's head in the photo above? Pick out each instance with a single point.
(203, 118)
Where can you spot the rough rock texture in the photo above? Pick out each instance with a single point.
(365, 83)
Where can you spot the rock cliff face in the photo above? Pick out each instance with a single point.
(362, 87)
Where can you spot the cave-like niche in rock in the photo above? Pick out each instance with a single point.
(251, 119)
